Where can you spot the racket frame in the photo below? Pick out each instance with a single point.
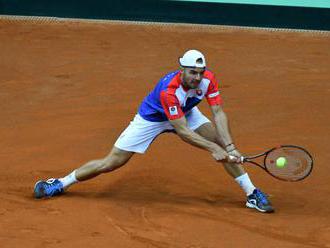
(249, 159)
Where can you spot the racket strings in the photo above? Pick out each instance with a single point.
(298, 163)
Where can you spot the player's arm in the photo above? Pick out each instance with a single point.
(189, 136)
(220, 118)
(176, 117)
(222, 128)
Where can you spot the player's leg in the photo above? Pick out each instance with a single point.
(136, 138)
(255, 198)
(91, 169)
(113, 161)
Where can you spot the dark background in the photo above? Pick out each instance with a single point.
(173, 11)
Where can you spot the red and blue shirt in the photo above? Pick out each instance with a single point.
(169, 100)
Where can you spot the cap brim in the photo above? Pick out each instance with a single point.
(189, 66)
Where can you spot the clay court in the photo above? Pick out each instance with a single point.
(68, 89)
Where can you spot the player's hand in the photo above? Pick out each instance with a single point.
(219, 154)
(237, 156)
(235, 153)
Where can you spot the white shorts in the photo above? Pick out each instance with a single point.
(140, 133)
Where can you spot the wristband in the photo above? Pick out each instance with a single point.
(232, 146)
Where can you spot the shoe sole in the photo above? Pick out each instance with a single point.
(250, 205)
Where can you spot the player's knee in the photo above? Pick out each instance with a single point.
(115, 160)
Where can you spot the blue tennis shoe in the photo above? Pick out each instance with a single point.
(259, 201)
(49, 188)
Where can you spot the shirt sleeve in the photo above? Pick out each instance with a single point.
(171, 106)
(213, 95)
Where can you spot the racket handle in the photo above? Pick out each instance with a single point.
(233, 159)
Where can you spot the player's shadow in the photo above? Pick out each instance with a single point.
(134, 190)
(142, 191)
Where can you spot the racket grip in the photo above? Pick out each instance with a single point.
(233, 159)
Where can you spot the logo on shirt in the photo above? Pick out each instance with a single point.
(199, 92)
(173, 110)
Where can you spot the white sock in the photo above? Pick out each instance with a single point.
(245, 183)
(69, 179)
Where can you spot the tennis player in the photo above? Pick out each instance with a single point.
(172, 107)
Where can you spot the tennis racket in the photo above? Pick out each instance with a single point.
(298, 162)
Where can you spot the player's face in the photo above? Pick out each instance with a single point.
(191, 77)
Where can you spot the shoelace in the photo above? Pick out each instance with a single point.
(262, 197)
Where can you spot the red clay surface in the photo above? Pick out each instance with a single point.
(68, 90)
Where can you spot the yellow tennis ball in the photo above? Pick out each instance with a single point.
(281, 162)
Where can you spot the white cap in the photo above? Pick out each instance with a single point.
(193, 58)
